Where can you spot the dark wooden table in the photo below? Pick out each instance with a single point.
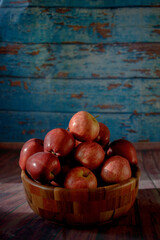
(17, 221)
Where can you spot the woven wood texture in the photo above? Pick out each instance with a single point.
(81, 206)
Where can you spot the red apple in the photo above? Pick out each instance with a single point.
(123, 148)
(59, 141)
(103, 136)
(80, 177)
(84, 126)
(115, 169)
(30, 147)
(43, 166)
(89, 154)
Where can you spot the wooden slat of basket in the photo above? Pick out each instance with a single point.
(50, 215)
(126, 199)
(68, 195)
(86, 207)
(47, 193)
(122, 210)
(106, 216)
(99, 194)
(65, 206)
(35, 190)
(37, 201)
(81, 206)
(50, 204)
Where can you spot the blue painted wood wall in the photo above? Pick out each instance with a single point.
(60, 57)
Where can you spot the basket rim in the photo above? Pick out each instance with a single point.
(26, 178)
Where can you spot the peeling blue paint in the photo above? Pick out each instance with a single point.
(60, 57)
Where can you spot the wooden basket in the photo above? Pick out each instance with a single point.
(81, 206)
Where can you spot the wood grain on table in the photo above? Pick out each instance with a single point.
(17, 220)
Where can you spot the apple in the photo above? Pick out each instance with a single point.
(80, 177)
(123, 148)
(89, 154)
(30, 147)
(43, 166)
(103, 136)
(59, 141)
(84, 126)
(115, 169)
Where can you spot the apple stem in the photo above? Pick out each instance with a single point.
(96, 116)
(51, 176)
(85, 174)
(52, 152)
(109, 152)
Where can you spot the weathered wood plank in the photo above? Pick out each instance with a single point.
(145, 181)
(126, 60)
(41, 25)
(122, 231)
(11, 145)
(151, 168)
(156, 157)
(114, 95)
(149, 212)
(154, 146)
(149, 194)
(82, 3)
(20, 126)
(66, 47)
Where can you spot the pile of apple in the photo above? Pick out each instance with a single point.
(80, 157)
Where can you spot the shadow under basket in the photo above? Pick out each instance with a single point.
(81, 207)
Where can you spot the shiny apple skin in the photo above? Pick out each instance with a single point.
(103, 136)
(30, 147)
(43, 166)
(84, 126)
(123, 148)
(80, 177)
(115, 169)
(89, 154)
(59, 141)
